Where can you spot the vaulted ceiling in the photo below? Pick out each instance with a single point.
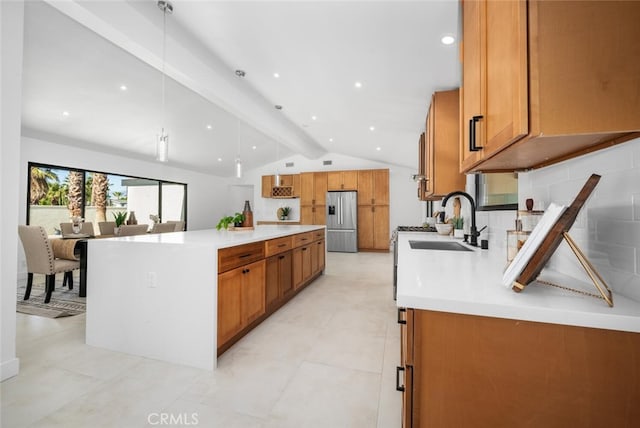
(79, 55)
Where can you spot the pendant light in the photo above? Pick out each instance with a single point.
(238, 161)
(162, 145)
(277, 178)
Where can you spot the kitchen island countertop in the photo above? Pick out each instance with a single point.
(470, 282)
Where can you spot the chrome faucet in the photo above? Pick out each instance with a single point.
(474, 230)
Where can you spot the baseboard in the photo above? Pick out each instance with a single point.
(9, 368)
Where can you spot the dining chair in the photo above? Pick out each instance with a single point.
(163, 228)
(133, 229)
(179, 225)
(86, 229)
(106, 227)
(40, 260)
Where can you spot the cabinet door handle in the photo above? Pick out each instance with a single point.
(282, 245)
(304, 249)
(398, 386)
(245, 255)
(400, 320)
(281, 257)
(472, 133)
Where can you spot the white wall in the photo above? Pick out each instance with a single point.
(608, 226)
(11, 33)
(404, 206)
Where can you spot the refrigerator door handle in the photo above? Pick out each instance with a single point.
(339, 210)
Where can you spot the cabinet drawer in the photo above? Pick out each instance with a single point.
(302, 239)
(278, 245)
(229, 258)
(318, 234)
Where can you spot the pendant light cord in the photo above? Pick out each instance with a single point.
(164, 49)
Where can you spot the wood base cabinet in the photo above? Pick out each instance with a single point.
(279, 279)
(301, 265)
(373, 227)
(472, 371)
(240, 299)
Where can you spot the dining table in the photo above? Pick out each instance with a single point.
(74, 247)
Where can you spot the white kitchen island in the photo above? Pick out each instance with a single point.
(155, 295)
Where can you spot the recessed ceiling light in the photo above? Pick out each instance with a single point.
(378, 148)
(65, 113)
(331, 140)
(254, 147)
(372, 128)
(448, 39)
(358, 84)
(278, 107)
(209, 127)
(219, 159)
(314, 117)
(276, 75)
(240, 73)
(123, 87)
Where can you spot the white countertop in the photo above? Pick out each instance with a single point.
(470, 282)
(218, 238)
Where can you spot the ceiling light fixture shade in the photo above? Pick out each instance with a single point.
(162, 144)
(238, 168)
(277, 177)
(162, 147)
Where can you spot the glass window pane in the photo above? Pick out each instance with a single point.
(142, 198)
(173, 202)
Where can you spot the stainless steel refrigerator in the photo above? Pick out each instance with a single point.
(342, 222)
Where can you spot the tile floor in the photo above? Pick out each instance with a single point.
(326, 359)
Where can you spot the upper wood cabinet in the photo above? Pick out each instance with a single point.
(373, 187)
(440, 148)
(313, 197)
(342, 180)
(544, 81)
(289, 186)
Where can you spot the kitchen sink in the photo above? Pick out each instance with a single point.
(439, 245)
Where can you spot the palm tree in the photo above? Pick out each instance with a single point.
(40, 181)
(99, 191)
(75, 193)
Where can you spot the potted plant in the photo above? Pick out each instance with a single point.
(284, 213)
(458, 223)
(120, 218)
(233, 221)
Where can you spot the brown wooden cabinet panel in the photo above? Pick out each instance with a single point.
(296, 185)
(531, 363)
(232, 257)
(320, 215)
(253, 289)
(267, 185)
(365, 187)
(318, 265)
(365, 227)
(380, 227)
(229, 306)
(373, 227)
(342, 180)
(301, 265)
(548, 91)
(319, 188)
(440, 147)
(373, 187)
(278, 279)
(306, 188)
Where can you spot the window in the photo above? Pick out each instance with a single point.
(497, 191)
(57, 193)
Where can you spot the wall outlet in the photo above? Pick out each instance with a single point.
(152, 279)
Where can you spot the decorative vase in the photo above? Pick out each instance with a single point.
(458, 233)
(116, 230)
(132, 218)
(248, 215)
(529, 204)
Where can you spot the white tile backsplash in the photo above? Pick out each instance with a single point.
(608, 226)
